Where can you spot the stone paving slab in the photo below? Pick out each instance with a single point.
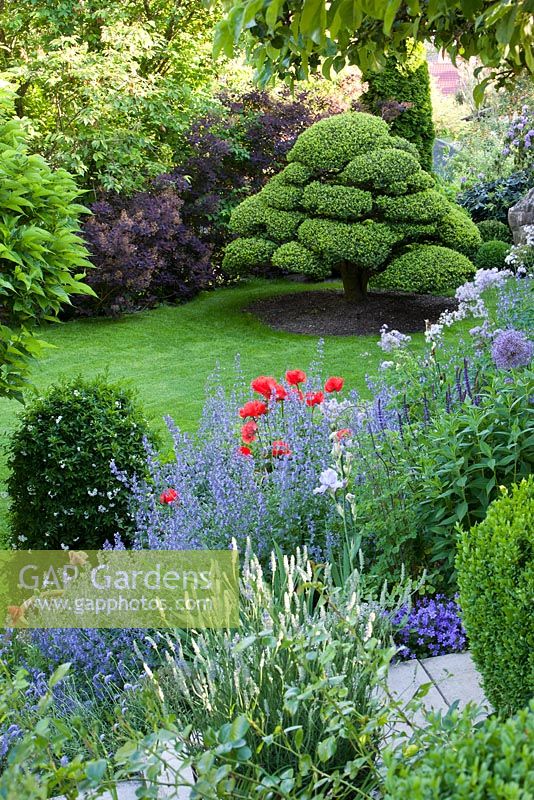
(453, 678)
(456, 678)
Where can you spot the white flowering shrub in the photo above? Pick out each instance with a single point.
(62, 488)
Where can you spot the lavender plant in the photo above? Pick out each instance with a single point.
(262, 489)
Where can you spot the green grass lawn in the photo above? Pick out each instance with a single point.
(168, 353)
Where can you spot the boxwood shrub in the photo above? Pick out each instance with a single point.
(492, 254)
(62, 489)
(453, 758)
(495, 565)
(492, 229)
(427, 269)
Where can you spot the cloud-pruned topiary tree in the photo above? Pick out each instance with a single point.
(352, 197)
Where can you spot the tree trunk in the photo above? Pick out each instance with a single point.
(355, 282)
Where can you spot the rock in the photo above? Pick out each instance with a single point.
(520, 216)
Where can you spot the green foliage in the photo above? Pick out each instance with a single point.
(331, 143)
(294, 257)
(492, 254)
(332, 200)
(33, 767)
(40, 250)
(282, 226)
(453, 757)
(108, 87)
(299, 683)
(493, 229)
(366, 244)
(281, 195)
(425, 207)
(295, 173)
(381, 169)
(495, 566)
(61, 486)
(242, 255)
(369, 201)
(405, 81)
(427, 269)
(248, 218)
(403, 144)
(333, 35)
(456, 230)
(467, 455)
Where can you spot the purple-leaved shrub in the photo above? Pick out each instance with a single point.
(143, 251)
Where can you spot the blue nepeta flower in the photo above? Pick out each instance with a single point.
(512, 349)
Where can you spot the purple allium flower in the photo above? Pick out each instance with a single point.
(512, 349)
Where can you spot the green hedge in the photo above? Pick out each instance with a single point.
(426, 269)
(355, 197)
(62, 489)
(456, 230)
(340, 202)
(491, 229)
(330, 143)
(427, 206)
(495, 565)
(243, 255)
(368, 245)
(453, 758)
(294, 257)
(492, 254)
(406, 82)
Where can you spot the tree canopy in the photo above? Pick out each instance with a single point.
(290, 38)
(353, 198)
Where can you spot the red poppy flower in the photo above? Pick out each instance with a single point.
(168, 496)
(334, 384)
(344, 433)
(280, 448)
(314, 398)
(244, 451)
(254, 408)
(264, 385)
(295, 376)
(280, 392)
(248, 432)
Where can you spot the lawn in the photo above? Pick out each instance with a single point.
(168, 353)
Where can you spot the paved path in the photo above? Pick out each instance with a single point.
(452, 677)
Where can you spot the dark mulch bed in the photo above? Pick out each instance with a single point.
(327, 313)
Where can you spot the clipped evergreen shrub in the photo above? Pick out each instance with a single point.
(493, 229)
(451, 757)
(426, 269)
(405, 82)
(458, 232)
(352, 199)
(495, 565)
(492, 254)
(241, 258)
(61, 485)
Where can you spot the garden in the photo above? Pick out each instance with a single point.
(267, 293)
